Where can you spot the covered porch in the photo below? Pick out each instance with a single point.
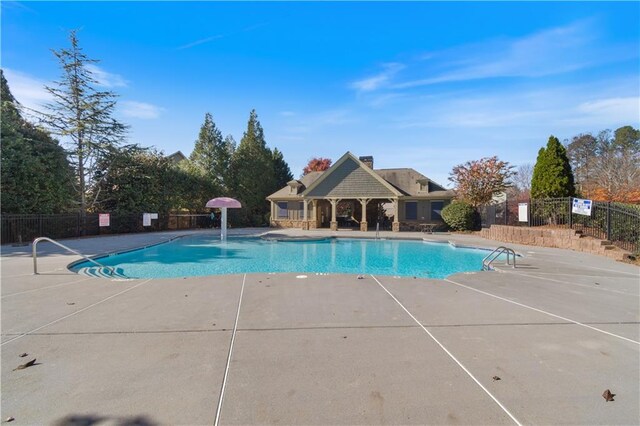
(335, 213)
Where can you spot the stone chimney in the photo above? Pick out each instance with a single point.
(368, 160)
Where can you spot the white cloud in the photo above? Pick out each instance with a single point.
(141, 110)
(625, 109)
(105, 78)
(379, 80)
(548, 52)
(199, 42)
(551, 51)
(28, 90)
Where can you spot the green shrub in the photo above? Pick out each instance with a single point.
(461, 216)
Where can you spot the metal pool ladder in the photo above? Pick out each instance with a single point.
(35, 255)
(488, 260)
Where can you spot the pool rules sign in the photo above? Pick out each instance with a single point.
(582, 207)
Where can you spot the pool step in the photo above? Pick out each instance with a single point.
(98, 272)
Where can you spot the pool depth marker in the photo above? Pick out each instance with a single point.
(449, 353)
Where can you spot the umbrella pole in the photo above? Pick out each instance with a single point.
(223, 227)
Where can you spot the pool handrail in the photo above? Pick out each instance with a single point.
(35, 254)
(488, 260)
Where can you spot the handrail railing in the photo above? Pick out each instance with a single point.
(491, 257)
(35, 255)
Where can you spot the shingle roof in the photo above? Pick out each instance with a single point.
(349, 180)
(405, 179)
(306, 181)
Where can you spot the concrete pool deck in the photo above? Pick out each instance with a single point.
(327, 349)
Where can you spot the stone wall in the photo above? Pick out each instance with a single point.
(287, 223)
(559, 238)
(416, 226)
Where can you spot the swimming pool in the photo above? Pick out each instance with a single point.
(202, 255)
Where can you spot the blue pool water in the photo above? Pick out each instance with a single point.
(201, 255)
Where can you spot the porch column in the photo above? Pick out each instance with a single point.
(305, 223)
(313, 223)
(396, 216)
(363, 223)
(334, 207)
(273, 217)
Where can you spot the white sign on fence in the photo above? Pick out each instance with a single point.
(146, 219)
(523, 210)
(154, 215)
(580, 206)
(103, 219)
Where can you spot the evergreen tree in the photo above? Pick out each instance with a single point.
(252, 172)
(552, 175)
(83, 117)
(35, 175)
(145, 180)
(211, 154)
(281, 169)
(230, 144)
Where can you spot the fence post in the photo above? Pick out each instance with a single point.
(529, 213)
(609, 220)
(570, 213)
(506, 213)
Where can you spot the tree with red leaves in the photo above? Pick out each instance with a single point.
(317, 164)
(477, 181)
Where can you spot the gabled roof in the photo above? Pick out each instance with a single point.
(285, 193)
(350, 178)
(406, 179)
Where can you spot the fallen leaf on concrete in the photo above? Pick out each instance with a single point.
(22, 355)
(344, 337)
(608, 396)
(597, 283)
(9, 419)
(26, 365)
(360, 277)
(496, 378)
(71, 303)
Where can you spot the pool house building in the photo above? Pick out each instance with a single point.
(351, 193)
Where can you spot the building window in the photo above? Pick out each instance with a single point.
(411, 210)
(282, 210)
(436, 210)
(301, 210)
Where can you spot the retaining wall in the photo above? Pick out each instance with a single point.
(559, 238)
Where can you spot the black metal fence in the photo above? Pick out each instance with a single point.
(24, 228)
(616, 222)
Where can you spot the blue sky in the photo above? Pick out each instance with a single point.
(419, 84)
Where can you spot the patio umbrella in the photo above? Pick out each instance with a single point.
(223, 203)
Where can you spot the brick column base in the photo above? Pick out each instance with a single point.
(395, 227)
(305, 225)
(364, 226)
(333, 226)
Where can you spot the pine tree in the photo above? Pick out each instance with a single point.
(83, 117)
(552, 175)
(35, 174)
(281, 169)
(211, 154)
(252, 173)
